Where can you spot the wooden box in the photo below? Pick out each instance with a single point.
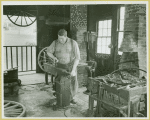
(93, 84)
(121, 99)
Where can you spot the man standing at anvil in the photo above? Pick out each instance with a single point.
(65, 52)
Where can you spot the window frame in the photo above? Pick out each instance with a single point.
(97, 28)
(118, 27)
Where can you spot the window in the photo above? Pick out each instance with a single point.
(121, 27)
(104, 36)
(19, 36)
(14, 38)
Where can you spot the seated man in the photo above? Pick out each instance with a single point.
(65, 52)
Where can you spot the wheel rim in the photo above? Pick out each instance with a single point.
(44, 58)
(21, 18)
(13, 109)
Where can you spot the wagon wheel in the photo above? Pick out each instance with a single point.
(44, 58)
(13, 109)
(21, 18)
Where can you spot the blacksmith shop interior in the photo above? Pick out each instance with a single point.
(107, 46)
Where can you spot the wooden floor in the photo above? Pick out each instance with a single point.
(38, 97)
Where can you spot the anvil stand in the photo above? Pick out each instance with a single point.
(62, 91)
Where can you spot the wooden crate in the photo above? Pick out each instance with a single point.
(93, 84)
(120, 99)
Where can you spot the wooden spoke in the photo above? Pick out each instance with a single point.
(13, 109)
(28, 17)
(7, 104)
(14, 15)
(25, 19)
(42, 61)
(29, 14)
(23, 15)
(43, 58)
(16, 19)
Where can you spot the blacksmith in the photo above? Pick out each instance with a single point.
(65, 52)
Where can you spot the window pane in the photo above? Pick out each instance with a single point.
(109, 23)
(121, 25)
(104, 42)
(122, 12)
(103, 49)
(109, 32)
(98, 49)
(120, 34)
(99, 42)
(100, 24)
(120, 53)
(105, 24)
(108, 41)
(120, 38)
(104, 32)
(100, 32)
(107, 50)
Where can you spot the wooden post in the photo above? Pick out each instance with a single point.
(46, 78)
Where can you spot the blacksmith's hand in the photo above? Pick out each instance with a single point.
(73, 73)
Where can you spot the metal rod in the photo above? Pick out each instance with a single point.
(46, 78)
(22, 58)
(17, 56)
(19, 46)
(6, 59)
(21, 20)
(31, 58)
(26, 71)
(26, 58)
(11, 57)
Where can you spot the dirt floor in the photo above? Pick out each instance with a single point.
(38, 98)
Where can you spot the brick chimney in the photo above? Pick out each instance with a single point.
(135, 22)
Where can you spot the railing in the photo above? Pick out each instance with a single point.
(23, 57)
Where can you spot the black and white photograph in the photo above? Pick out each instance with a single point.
(75, 59)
